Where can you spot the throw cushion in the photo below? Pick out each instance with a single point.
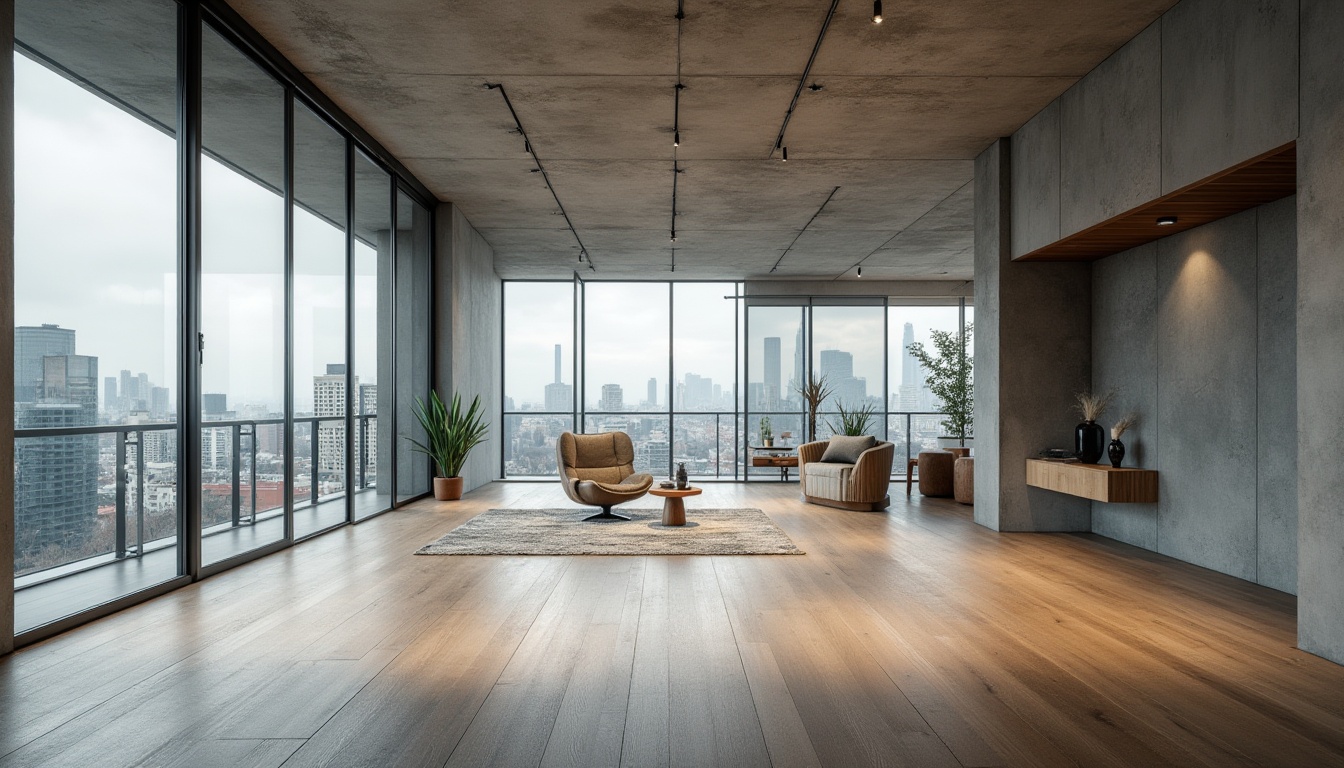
(846, 450)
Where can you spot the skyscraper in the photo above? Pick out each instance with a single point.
(770, 366)
(158, 402)
(559, 396)
(653, 393)
(366, 435)
(31, 344)
(612, 398)
(56, 477)
(214, 406)
(838, 368)
(110, 394)
(912, 373)
(329, 400)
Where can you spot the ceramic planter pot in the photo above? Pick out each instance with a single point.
(946, 442)
(447, 488)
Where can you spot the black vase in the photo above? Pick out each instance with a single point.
(682, 483)
(1116, 450)
(1089, 442)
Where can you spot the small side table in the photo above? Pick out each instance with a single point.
(674, 509)
(775, 456)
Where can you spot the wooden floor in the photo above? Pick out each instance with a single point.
(911, 637)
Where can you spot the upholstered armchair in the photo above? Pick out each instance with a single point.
(599, 470)
(861, 485)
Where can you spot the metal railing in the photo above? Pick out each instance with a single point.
(910, 430)
(129, 469)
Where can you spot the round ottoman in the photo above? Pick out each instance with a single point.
(935, 473)
(963, 480)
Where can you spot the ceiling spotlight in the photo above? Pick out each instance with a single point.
(527, 146)
(815, 87)
(534, 170)
(674, 235)
(877, 11)
(1166, 221)
(676, 138)
(785, 157)
(581, 255)
(860, 271)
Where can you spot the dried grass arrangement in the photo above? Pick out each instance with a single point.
(1123, 425)
(1091, 405)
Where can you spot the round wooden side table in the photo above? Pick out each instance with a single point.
(674, 509)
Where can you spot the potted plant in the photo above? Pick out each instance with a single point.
(949, 376)
(767, 436)
(814, 392)
(450, 434)
(855, 423)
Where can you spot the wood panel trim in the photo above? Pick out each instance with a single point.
(1262, 179)
(1094, 481)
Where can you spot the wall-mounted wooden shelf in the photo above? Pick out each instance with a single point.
(1264, 179)
(1094, 481)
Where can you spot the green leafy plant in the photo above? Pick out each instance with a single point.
(766, 432)
(450, 433)
(949, 376)
(854, 423)
(814, 392)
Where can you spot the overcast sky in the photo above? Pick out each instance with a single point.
(96, 251)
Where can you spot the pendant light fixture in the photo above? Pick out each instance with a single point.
(784, 158)
(860, 271)
(676, 138)
(877, 11)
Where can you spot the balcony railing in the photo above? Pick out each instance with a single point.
(132, 532)
(911, 431)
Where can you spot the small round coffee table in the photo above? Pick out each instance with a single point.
(674, 509)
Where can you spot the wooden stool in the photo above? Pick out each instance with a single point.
(963, 480)
(935, 473)
(910, 466)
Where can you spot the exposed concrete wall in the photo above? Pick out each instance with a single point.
(7, 322)
(1229, 84)
(1209, 85)
(1033, 353)
(1196, 334)
(1034, 187)
(1124, 360)
(1110, 129)
(468, 321)
(1320, 331)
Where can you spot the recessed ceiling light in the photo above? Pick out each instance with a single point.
(860, 271)
(1166, 221)
(676, 138)
(785, 157)
(877, 11)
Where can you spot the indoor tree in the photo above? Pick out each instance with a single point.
(949, 376)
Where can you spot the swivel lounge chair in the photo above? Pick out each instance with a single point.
(599, 470)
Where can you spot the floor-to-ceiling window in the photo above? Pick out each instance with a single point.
(264, 323)
(243, 306)
(734, 365)
(539, 372)
(95, 272)
(321, 376)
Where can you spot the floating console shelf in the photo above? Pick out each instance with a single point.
(1094, 481)
(1257, 181)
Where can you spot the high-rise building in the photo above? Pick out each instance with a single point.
(770, 366)
(158, 402)
(653, 393)
(366, 432)
(612, 398)
(110, 400)
(329, 400)
(798, 352)
(31, 344)
(159, 446)
(56, 477)
(130, 386)
(214, 406)
(846, 389)
(697, 392)
(912, 373)
(559, 396)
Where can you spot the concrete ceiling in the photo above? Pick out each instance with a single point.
(906, 106)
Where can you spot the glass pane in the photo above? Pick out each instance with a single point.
(776, 351)
(625, 350)
(703, 346)
(897, 424)
(706, 444)
(538, 347)
(413, 318)
(373, 335)
(242, 302)
(95, 277)
(650, 434)
(320, 380)
(906, 325)
(848, 353)
(792, 424)
(529, 443)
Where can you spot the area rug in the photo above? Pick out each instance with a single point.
(563, 532)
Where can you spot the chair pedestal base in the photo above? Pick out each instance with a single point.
(605, 514)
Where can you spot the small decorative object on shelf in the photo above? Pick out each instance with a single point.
(1116, 450)
(667, 485)
(784, 438)
(767, 436)
(1089, 438)
(682, 482)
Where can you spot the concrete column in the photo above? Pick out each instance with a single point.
(1320, 332)
(7, 322)
(468, 321)
(1033, 352)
